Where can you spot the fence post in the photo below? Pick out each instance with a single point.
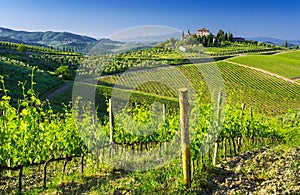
(111, 121)
(251, 117)
(20, 179)
(164, 112)
(185, 141)
(165, 118)
(111, 127)
(218, 126)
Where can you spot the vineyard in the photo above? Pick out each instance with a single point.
(285, 64)
(32, 135)
(8, 47)
(14, 71)
(96, 150)
(243, 48)
(266, 94)
(16, 65)
(160, 57)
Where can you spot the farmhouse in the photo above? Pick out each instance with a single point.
(202, 32)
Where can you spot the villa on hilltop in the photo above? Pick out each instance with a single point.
(199, 33)
(202, 32)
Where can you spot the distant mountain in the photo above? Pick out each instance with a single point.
(107, 46)
(275, 41)
(85, 44)
(149, 38)
(55, 39)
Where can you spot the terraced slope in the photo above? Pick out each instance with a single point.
(265, 93)
(284, 64)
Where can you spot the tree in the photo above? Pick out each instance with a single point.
(215, 41)
(65, 72)
(21, 48)
(230, 36)
(286, 44)
(210, 39)
(220, 35)
(226, 37)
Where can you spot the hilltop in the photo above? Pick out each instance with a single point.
(59, 40)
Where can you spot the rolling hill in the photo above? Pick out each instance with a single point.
(78, 43)
(285, 64)
(60, 40)
(264, 93)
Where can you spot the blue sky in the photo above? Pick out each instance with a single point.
(248, 18)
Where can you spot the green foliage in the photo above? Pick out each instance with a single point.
(21, 48)
(168, 53)
(45, 58)
(237, 123)
(32, 133)
(290, 124)
(13, 47)
(65, 72)
(16, 71)
(141, 126)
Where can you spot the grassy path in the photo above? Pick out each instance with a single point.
(58, 91)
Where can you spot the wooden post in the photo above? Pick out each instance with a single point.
(164, 112)
(185, 141)
(251, 116)
(111, 121)
(224, 147)
(164, 118)
(82, 163)
(111, 127)
(20, 179)
(218, 126)
(45, 174)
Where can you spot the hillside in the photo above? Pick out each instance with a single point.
(284, 64)
(266, 94)
(15, 71)
(244, 130)
(55, 39)
(16, 66)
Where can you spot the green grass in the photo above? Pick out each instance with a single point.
(286, 64)
(292, 55)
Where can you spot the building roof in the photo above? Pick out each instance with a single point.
(203, 30)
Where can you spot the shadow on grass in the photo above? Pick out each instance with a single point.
(89, 182)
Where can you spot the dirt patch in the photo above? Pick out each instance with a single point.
(263, 171)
